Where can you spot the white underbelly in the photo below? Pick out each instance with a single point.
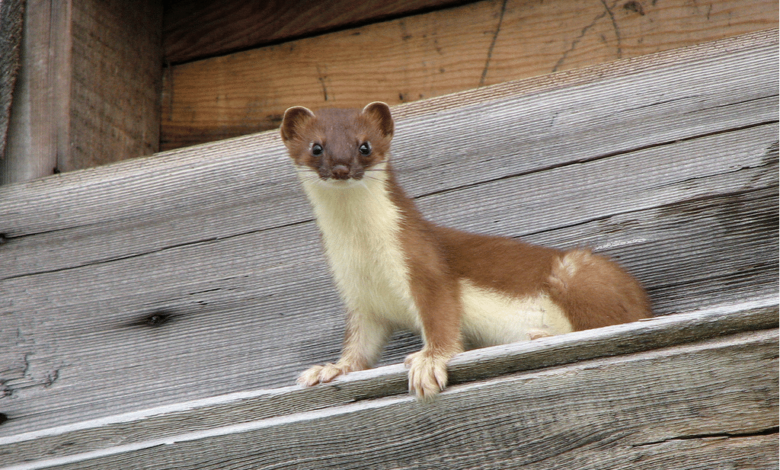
(378, 288)
(491, 317)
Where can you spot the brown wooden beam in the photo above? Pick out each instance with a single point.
(194, 29)
(434, 54)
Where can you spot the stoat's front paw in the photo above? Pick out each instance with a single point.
(427, 374)
(321, 374)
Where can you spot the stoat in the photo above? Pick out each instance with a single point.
(395, 270)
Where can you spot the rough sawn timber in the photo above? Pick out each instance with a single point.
(197, 273)
(683, 391)
(428, 55)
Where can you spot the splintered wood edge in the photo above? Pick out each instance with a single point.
(246, 407)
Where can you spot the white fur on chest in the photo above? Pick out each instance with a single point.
(491, 318)
(360, 227)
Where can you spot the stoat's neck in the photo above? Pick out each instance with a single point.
(360, 210)
(360, 227)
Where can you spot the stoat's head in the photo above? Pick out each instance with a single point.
(338, 144)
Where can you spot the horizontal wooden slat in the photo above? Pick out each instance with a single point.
(194, 29)
(595, 414)
(431, 55)
(390, 380)
(669, 162)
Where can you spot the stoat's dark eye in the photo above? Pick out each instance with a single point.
(316, 150)
(365, 149)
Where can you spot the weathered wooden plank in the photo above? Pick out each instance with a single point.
(89, 87)
(197, 29)
(741, 74)
(224, 272)
(706, 452)
(262, 322)
(244, 281)
(741, 227)
(246, 407)
(115, 83)
(262, 327)
(602, 413)
(431, 55)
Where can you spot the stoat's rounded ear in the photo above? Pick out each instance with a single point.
(293, 120)
(380, 113)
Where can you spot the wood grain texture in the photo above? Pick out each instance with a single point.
(245, 407)
(116, 81)
(197, 29)
(11, 19)
(693, 406)
(197, 272)
(38, 126)
(88, 89)
(431, 55)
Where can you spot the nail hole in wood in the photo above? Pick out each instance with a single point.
(634, 6)
(158, 319)
(3, 418)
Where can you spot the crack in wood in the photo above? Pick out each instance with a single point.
(739, 102)
(661, 207)
(617, 30)
(158, 250)
(577, 41)
(658, 103)
(26, 379)
(597, 157)
(726, 435)
(321, 78)
(492, 45)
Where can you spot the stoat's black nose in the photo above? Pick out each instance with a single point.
(340, 172)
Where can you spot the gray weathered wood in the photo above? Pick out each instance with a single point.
(244, 407)
(11, 16)
(88, 90)
(663, 405)
(667, 162)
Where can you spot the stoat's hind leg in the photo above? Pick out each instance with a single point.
(594, 291)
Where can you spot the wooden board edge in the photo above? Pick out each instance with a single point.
(367, 386)
(742, 341)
